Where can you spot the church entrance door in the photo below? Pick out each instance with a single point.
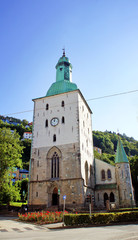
(55, 197)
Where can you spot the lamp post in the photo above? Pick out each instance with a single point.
(131, 199)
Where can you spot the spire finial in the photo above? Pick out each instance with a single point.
(63, 52)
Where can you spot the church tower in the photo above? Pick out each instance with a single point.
(62, 146)
(123, 177)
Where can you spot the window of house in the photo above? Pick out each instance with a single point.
(37, 163)
(62, 104)
(46, 124)
(54, 138)
(36, 194)
(47, 106)
(109, 174)
(63, 120)
(55, 166)
(102, 175)
(37, 177)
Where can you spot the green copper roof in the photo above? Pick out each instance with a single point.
(121, 156)
(61, 87)
(63, 78)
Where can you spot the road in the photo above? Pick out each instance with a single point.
(12, 229)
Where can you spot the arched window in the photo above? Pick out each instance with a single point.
(102, 175)
(105, 198)
(54, 138)
(55, 166)
(62, 104)
(109, 176)
(63, 120)
(112, 197)
(46, 124)
(86, 173)
(47, 106)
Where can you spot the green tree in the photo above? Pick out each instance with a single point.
(10, 157)
(24, 188)
(134, 173)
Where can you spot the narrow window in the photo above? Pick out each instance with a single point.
(54, 138)
(62, 104)
(109, 174)
(46, 124)
(37, 163)
(63, 120)
(36, 194)
(102, 175)
(37, 177)
(47, 106)
(86, 173)
(38, 152)
(55, 166)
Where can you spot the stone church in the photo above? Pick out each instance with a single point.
(62, 159)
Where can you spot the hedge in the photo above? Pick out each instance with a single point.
(100, 218)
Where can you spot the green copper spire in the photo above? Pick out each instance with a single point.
(63, 77)
(121, 156)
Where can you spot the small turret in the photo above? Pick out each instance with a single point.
(123, 175)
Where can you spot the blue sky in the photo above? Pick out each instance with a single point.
(101, 41)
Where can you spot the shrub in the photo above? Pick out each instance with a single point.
(100, 218)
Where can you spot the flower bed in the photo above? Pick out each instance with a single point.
(43, 217)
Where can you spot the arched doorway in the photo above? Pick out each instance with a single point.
(112, 197)
(105, 198)
(55, 197)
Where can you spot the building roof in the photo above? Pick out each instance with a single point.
(121, 156)
(61, 87)
(23, 171)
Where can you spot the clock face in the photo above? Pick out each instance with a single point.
(54, 121)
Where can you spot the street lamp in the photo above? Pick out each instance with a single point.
(131, 198)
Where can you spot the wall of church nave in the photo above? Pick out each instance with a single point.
(108, 194)
(104, 172)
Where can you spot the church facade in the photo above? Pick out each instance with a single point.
(62, 160)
